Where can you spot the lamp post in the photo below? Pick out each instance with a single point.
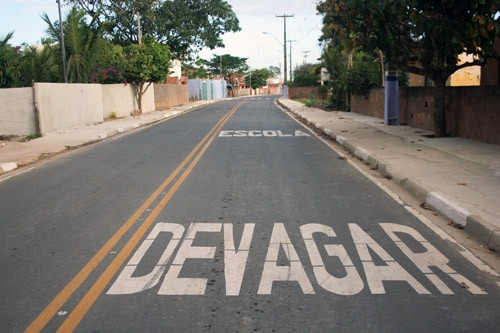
(276, 39)
(62, 43)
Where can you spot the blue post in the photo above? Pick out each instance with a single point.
(391, 112)
(285, 91)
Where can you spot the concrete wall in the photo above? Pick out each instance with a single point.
(148, 100)
(168, 95)
(67, 105)
(17, 116)
(472, 112)
(117, 98)
(120, 98)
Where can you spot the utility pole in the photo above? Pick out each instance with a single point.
(291, 41)
(139, 33)
(62, 44)
(220, 60)
(284, 16)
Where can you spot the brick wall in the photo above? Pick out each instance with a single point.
(168, 95)
(472, 112)
(303, 92)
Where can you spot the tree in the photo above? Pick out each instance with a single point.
(258, 77)
(418, 36)
(10, 63)
(226, 65)
(41, 64)
(82, 41)
(145, 64)
(275, 70)
(195, 69)
(305, 75)
(186, 26)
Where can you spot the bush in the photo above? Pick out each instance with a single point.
(304, 81)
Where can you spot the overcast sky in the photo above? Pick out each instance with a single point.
(256, 17)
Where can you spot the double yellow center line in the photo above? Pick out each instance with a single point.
(95, 291)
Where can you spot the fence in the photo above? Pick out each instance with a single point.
(206, 89)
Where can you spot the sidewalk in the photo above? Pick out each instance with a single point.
(458, 177)
(15, 154)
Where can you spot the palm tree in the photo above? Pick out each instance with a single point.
(82, 41)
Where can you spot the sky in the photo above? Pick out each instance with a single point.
(255, 16)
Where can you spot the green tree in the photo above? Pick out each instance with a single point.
(82, 41)
(186, 26)
(226, 65)
(305, 75)
(275, 70)
(10, 63)
(145, 64)
(41, 64)
(418, 36)
(195, 69)
(258, 77)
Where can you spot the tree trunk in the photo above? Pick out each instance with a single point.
(439, 108)
(139, 96)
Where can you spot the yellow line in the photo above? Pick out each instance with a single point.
(48, 313)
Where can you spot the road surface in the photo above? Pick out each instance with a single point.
(230, 218)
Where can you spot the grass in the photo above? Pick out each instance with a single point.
(315, 102)
(31, 137)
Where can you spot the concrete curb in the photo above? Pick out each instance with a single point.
(7, 166)
(473, 224)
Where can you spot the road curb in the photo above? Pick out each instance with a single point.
(483, 231)
(7, 166)
(474, 225)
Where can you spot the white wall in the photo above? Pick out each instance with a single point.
(120, 98)
(67, 105)
(17, 116)
(148, 100)
(117, 98)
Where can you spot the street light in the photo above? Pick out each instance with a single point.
(276, 39)
(268, 33)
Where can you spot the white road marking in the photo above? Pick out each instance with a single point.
(236, 258)
(261, 133)
(273, 272)
(375, 275)
(235, 261)
(173, 284)
(351, 283)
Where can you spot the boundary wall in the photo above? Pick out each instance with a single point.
(168, 95)
(67, 105)
(61, 105)
(120, 99)
(471, 112)
(17, 115)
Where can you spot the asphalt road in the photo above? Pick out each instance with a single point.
(230, 218)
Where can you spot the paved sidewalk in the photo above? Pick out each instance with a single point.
(15, 154)
(458, 177)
